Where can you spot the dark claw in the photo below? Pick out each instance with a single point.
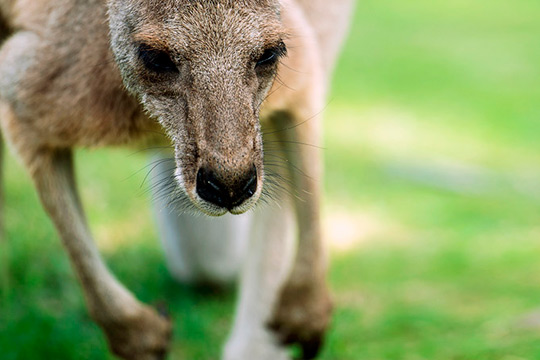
(162, 309)
(310, 345)
(162, 355)
(274, 326)
(288, 339)
(311, 348)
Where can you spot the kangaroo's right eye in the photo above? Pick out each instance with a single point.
(155, 60)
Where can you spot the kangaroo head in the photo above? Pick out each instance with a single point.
(202, 68)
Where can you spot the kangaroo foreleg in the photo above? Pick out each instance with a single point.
(134, 331)
(303, 309)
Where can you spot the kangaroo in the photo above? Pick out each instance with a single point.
(237, 86)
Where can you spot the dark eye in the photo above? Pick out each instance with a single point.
(158, 61)
(271, 55)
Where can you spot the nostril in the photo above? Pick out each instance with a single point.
(251, 185)
(210, 188)
(245, 188)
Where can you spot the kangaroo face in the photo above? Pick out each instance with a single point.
(202, 68)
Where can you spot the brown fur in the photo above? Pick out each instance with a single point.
(71, 75)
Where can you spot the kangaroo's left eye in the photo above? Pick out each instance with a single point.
(271, 55)
(158, 61)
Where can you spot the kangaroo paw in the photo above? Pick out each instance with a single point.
(301, 317)
(140, 335)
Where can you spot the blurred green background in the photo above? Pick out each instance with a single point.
(432, 207)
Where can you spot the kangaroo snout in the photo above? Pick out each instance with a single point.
(226, 191)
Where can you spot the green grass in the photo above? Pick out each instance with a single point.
(432, 158)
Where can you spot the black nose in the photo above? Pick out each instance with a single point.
(227, 194)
